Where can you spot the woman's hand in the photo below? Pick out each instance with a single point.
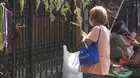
(133, 62)
(80, 42)
(134, 42)
(84, 35)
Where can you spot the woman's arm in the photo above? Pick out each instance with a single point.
(90, 42)
(118, 42)
(93, 36)
(134, 62)
(124, 42)
(136, 44)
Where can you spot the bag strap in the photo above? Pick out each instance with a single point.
(86, 45)
(99, 34)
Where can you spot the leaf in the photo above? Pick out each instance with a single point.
(75, 2)
(46, 4)
(21, 6)
(51, 1)
(74, 23)
(77, 11)
(55, 2)
(64, 12)
(85, 3)
(62, 0)
(37, 4)
(68, 6)
(51, 6)
(52, 17)
(58, 5)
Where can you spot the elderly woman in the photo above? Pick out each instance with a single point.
(98, 18)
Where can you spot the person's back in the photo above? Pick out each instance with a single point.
(98, 18)
(115, 53)
(104, 42)
(102, 67)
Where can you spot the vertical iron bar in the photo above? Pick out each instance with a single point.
(30, 21)
(72, 27)
(14, 58)
(136, 17)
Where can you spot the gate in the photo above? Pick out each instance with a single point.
(38, 50)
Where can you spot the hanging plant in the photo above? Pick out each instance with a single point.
(37, 4)
(58, 4)
(21, 6)
(46, 2)
(77, 12)
(51, 8)
(52, 17)
(61, 5)
(64, 11)
(85, 3)
(68, 6)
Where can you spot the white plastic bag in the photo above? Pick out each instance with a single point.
(71, 64)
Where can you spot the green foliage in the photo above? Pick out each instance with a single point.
(21, 6)
(46, 2)
(37, 4)
(52, 17)
(52, 6)
(85, 3)
(64, 12)
(58, 4)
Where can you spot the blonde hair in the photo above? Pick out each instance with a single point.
(99, 15)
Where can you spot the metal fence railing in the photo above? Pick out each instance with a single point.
(37, 52)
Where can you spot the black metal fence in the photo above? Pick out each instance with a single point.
(129, 13)
(37, 52)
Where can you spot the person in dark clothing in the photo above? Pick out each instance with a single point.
(118, 49)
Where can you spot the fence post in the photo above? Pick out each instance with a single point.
(30, 24)
(13, 46)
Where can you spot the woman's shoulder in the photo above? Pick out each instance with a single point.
(96, 28)
(105, 29)
(99, 27)
(102, 28)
